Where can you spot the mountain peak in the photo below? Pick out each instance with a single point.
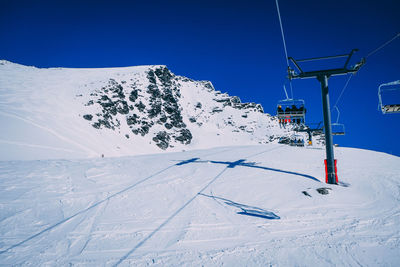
(124, 111)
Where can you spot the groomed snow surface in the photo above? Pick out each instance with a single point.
(231, 206)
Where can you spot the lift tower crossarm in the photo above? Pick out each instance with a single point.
(313, 74)
(323, 76)
(328, 72)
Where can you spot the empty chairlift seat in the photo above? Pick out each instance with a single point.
(338, 129)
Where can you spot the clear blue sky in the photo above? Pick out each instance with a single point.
(235, 44)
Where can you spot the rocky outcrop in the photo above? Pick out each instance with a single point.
(143, 108)
(152, 106)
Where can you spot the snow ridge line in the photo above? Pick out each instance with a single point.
(95, 205)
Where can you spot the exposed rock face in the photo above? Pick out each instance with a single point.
(151, 105)
(112, 100)
(143, 107)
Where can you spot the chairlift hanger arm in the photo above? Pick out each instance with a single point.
(337, 118)
(349, 57)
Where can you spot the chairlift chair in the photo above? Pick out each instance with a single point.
(337, 128)
(297, 140)
(286, 110)
(310, 128)
(386, 107)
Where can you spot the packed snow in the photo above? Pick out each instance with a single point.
(236, 206)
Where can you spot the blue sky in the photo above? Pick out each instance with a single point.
(235, 44)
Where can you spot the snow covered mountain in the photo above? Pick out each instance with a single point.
(229, 194)
(77, 113)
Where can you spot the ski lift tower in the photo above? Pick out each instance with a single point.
(323, 76)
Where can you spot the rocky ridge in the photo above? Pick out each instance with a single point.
(153, 105)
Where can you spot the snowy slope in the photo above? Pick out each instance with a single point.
(234, 206)
(80, 113)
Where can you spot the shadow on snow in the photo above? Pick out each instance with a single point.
(69, 218)
(247, 210)
(83, 211)
(243, 163)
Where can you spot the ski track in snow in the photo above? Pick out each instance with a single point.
(94, 205)
(188, 212)
(34, 145)
(51, 131)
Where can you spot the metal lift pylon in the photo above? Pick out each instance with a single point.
(323, 76)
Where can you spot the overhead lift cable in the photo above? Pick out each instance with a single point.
(289, 110)
(382, 46)
(369, 54)
(284, 44)
(344, 88)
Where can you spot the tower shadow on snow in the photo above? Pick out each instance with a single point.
(243, 163)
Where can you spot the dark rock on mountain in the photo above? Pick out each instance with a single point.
(162, 139)
(152, 106)
(185, 136)
(88, 117)
(133, 95)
